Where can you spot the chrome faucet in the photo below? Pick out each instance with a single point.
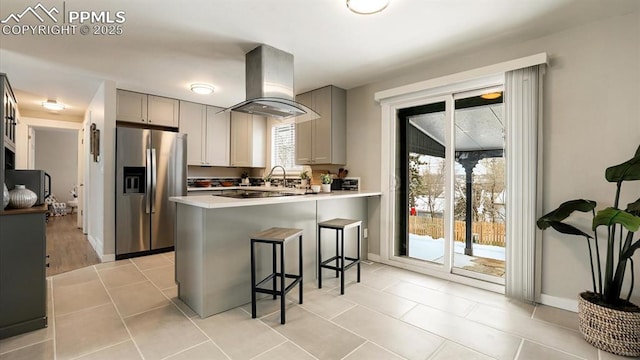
(284, 174)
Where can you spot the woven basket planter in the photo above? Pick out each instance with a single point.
(611, 330)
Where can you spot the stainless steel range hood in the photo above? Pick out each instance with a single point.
(269, 86)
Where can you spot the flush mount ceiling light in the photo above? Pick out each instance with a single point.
(52, 105)
(202, 89)
(366, 7)
(491, 95)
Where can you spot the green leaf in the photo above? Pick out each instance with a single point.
(567, 229)
(634, 208)
(564, 210)
(610, 216)
(627, 171)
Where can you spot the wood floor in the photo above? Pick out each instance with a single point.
(67, 247)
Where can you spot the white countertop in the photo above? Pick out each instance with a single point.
(216, 202)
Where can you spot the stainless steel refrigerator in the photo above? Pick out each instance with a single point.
(151, 166)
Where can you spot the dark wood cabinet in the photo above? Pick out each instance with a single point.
(23, 288)
(8, 121)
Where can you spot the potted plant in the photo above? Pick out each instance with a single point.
(304, 178)
(607, 319)
(267, 181)
(326, 179)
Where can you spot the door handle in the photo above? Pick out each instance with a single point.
(154, 179)
(148, 191)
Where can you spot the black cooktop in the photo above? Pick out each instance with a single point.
(251, 194)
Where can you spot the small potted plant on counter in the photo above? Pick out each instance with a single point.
(326, 179)
(607, 319)
(304, 178)
(267, 181)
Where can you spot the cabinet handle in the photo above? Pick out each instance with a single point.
(48, 256)
(48, 265)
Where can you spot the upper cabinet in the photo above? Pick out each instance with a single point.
(9, 114)
(193, 122)
(323, 140)
(217, 146)
(162, 111)
(147, 109)
(207, 130)
(248, 140)
(131, 106)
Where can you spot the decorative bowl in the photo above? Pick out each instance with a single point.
(202, 183)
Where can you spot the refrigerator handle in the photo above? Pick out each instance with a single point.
(148, 192)
(154, 179)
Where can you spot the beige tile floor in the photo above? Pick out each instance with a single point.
(129, 310)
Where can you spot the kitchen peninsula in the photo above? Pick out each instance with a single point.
(213, 241)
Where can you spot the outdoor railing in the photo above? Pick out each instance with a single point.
(485, 233)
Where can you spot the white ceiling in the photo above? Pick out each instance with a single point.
(476, 128)
(166, 45)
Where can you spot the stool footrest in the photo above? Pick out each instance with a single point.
(297, 279)
(353, 262)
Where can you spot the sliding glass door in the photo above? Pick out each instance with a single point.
(479, 185)
(450, 196)
(421, 156)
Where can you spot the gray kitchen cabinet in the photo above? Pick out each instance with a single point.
(8, 119)
(323, 140)
(217, 145)
(9, 114)
(146, 109)
(207, 132)
(23, 291)
(193, 122)
(304, 133)
(162, 111)
(131, 106)
(248, 140)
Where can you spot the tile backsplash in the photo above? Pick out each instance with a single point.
(347, 183)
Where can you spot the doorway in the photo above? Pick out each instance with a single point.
(58, 151)
(451, 170)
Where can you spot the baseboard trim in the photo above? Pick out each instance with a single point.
(558, 302)
(373, 257)
(97, 246)
(108, 258)
(94, 244)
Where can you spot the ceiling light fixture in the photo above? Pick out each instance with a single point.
(202, 89)
(367, 7)
(52, 105)
(491, 95)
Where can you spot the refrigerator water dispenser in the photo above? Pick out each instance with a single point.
(134, 180)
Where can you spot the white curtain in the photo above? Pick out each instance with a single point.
(523, 111)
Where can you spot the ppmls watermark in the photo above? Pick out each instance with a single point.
(38, 20)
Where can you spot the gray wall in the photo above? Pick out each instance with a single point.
(591, 121)
(56, 152)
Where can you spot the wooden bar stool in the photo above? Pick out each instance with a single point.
(340, 225)
(275, 236)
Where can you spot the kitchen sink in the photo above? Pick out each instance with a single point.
(252, 194)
